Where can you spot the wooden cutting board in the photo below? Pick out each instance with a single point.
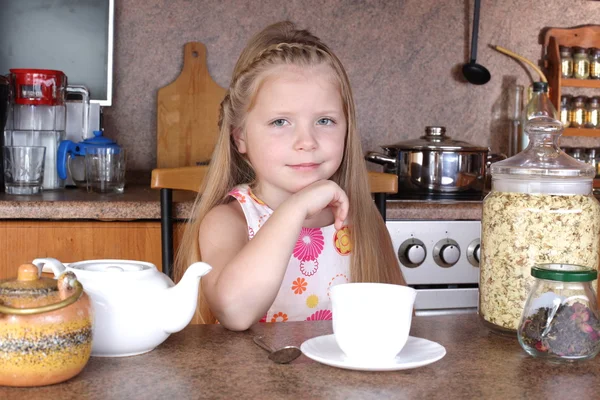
(188, 113)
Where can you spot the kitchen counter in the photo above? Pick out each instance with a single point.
(143, 203)
(207, 361)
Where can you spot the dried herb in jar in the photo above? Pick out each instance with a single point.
(572, 331)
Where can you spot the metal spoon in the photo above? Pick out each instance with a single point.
(475, 73)
(283, 355)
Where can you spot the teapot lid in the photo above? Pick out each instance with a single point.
(112, 266)
(32, 294)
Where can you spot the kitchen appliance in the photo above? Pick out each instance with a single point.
(440, 259)
(4, 96)
(136, 307)
(37, 114)
(434, 163)
(71, 156)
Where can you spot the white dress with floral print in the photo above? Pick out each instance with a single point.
(319, 261)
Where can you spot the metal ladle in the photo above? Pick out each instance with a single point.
(283, 355)
(475, 73)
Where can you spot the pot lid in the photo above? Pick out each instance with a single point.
(435, 139)
(31, 294)
(112, 266)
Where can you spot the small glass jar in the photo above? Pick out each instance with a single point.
(560, 320)
(592, 113)
(594, 63)
(566, 62)
(581, 63)
(577, 112)
(564, 110)
(591, 157)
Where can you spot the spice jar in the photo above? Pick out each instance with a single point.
(595, 63)
(566, 62)
(540, 210)
(592, 112)
(581, 63)
(577, 112)
(45, 328)
(560, 319)
(564, 110)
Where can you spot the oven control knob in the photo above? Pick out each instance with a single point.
(474, 252)
(446, 253)
(412, 253)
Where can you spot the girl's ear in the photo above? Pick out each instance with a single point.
(240, 142)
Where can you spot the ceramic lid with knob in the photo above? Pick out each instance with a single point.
(435, 139)
(112, 266)
(31, 294)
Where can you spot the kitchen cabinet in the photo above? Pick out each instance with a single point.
(586, 36)
(68, 241)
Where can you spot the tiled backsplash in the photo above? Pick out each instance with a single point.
(403, 58)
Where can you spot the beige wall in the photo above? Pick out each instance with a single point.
(403, 59)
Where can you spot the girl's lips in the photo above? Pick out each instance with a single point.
(304, 166)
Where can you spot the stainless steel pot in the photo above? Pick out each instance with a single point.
(434, 163)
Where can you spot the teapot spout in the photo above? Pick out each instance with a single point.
(178, 303)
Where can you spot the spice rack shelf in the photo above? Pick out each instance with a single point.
(583, 36)
(581, 83)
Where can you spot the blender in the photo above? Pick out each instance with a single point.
(37, 114)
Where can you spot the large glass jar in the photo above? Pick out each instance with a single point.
(540, 210)
(560, 320)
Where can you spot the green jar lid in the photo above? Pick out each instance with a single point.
(564, 272)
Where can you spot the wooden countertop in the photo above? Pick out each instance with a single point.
(207, 361)
(143, 203)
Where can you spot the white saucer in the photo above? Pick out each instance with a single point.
(416, 353)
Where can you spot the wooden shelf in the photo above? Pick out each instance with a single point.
(582, 83)
(583, 36)
(581, 132)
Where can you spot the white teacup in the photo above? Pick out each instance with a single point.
(371, 321)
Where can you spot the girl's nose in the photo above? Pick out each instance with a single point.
(305, 139)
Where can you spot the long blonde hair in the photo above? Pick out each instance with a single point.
(372, 257)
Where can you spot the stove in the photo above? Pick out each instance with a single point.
(440, 259)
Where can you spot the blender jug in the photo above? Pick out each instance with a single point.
(37, 115)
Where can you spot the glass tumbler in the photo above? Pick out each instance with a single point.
(24, 169)
(105, 169)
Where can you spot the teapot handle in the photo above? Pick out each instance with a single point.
(57, 267)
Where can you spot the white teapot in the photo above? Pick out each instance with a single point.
(136, 307)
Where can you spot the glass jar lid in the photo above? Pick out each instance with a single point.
(543, 158)
(564, 272)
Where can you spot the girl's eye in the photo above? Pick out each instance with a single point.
(279, 122)
(325, 121)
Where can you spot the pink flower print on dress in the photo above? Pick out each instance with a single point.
(309, 245)
(321, 315)
(238, 195)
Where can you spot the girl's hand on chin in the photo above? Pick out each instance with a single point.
(322, 194)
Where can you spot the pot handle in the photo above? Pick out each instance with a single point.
(380, 159)
(57, 267)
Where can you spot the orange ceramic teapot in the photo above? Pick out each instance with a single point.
(45, 328)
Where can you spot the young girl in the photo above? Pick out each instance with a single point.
(286, 211)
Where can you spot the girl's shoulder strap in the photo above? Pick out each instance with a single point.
(255, 210)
